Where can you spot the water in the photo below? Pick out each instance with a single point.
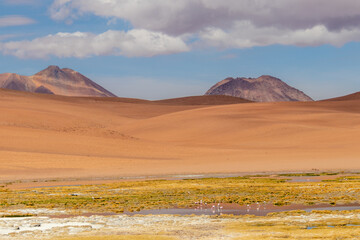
(333, 208)
(302, 179)
(330, 226)
(235, 209)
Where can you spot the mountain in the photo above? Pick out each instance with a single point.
(54, 80)
(263, 89)
(16, 82)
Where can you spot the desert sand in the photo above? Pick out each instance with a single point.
(50, 137)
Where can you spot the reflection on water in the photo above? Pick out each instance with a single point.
(259, 209)
(301, 179)
(334, 208)
(330, 226)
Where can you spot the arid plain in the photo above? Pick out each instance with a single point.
(51, 137)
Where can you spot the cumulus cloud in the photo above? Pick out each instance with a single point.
(166, 27)
(245, 35)
(15, 20)
(172, 17)
(183, 16)
(218, 22)
(134, 43)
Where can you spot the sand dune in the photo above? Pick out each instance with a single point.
(353, 96)
(204, 100)
(44, 136)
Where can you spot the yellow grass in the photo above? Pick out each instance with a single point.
(135, 196)
(282, 231)
(126, 237)
(293, 226)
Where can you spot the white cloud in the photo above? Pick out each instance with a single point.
(15, 20)
(246, 35)
(218, 22)
(183, 16)
(134, 43)
(166, 27)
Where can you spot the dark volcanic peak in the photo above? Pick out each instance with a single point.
(55, 73)
(51, 68)
(52, 72)
(262, 89)
(54, 80)
(43, 89)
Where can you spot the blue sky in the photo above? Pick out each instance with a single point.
(143, 51)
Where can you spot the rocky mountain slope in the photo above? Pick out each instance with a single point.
(54, 80)
(263, 89)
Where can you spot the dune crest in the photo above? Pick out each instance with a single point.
(48, 136)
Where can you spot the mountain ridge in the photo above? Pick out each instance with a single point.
(54, 80)
(265, 88)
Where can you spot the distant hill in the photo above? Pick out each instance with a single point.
(195, 101)
(263, 89)
(353, 96)
(54, 80)
(203, 100)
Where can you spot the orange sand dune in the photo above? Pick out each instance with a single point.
(353, 96)
(45, 136)
(204, 100)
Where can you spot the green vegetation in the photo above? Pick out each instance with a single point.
(345, 179)
(16, 215)
(299, 174)
(310, 174)
(154, 194)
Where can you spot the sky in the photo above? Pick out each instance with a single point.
(156, 49)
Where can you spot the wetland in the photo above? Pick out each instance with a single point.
(238, 207)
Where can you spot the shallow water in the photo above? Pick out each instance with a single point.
(333, 208)
(330, 226)
(235, 209)
(302, 179)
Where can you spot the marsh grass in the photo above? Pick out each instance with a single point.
(294, 225)
(16, 215)
(156, 194)
(293, 230)
(296, 232)
(123, 237)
